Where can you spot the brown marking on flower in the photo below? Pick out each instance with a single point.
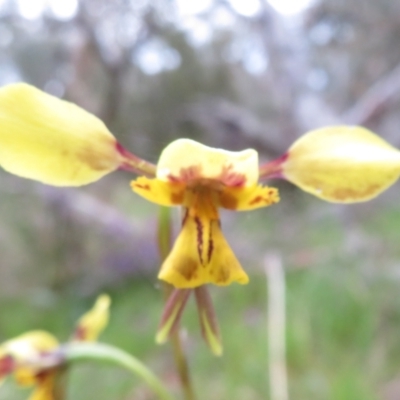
(177, 197)
(231, 178)
(188, 268)
(143, 187)
(7, 365)
(228, 201)
(80, 333)
(173, 178)
(187, 175)
(103, 156)
(345, 194)
(199, 227)
(210, 244)
(256, 200)
(190, 173)
(184, 219)
(223, 275)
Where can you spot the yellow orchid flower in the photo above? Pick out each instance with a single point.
(58, 143)
(202, 179)
(33, 357)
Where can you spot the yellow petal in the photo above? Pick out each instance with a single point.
(185, 160)
(28, 346)
(25, 376)
(91, 324)
(248, 198)
(45, 387)
(26, 351)
(159, 192)
(201, 255)
(52, 141)
(342, 164)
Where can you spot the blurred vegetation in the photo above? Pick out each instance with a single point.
(154, 73)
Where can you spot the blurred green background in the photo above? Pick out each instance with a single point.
(231, 74)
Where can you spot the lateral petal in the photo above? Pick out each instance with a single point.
(51, 140)
(159, 192)
(342, 164)
(248, 198)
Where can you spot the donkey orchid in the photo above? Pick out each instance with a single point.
(34, 357)
(56, 142)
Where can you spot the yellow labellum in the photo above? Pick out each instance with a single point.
(51, 140)
(342, 164)
(201, 255)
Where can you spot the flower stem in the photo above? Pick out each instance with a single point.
(272, 169)
(132, 163)
(182, 366)
(79, 351)
(278, 380)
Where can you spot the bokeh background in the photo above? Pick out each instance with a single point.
(231, 74)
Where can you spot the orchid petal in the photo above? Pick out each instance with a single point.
(249, 198)
(185, 160)
(159, 192)
(342, 164)
(29, 345)
(45, 386)
(53, 141)
(91, 324)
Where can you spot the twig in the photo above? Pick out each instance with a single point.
(276, 328)
(375, 98)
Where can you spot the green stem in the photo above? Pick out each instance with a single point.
(103, 352)
(182, 366)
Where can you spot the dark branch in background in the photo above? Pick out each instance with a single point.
(129, 247)
(115, 69)
(231, 126)
(79, 218)
(375, 100)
